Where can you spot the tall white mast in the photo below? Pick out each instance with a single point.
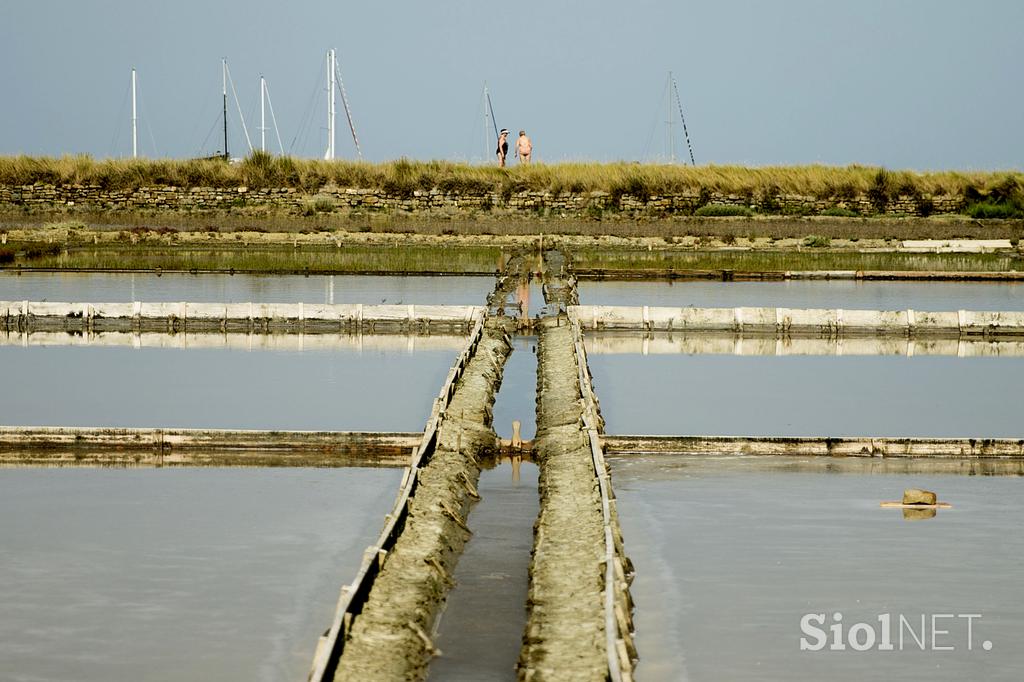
(671, 139)
(135, 122)
(263, 114)
(331, 78)
(224, 91)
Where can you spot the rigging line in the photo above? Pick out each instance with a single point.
(198, 122)
(120, 121)
(491, 108)
(145, 120)
(238, 105)
(273, 118)
(348, 112)
(202, 147)
(686, 133)
(307, 116)
(654, 126)
(476, 131)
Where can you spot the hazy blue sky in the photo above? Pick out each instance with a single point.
(904, 83)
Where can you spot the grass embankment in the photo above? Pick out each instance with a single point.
(987, 194)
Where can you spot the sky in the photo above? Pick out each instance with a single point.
(919, 84)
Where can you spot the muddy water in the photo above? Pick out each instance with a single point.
(372, 390)
(810, 395)
(730, 555)
(813, 294)
(480, 630)
(105, 287)
(177, 574)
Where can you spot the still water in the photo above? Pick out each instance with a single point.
(113, 288)
(729, 395)
(481, 629)
(516, 399)
(730, 556)
(177, 574)
(809, 294)
(322, 389)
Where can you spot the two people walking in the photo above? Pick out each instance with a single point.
(524, 147)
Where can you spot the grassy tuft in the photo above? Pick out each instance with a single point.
(817, 241)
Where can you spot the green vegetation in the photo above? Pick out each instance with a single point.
(817, 241)
(761, 186)
(723, 210)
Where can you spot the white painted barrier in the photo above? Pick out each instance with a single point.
(808, 321)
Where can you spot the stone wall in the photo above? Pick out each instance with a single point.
(48, 198)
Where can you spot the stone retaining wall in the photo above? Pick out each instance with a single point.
(47, 198)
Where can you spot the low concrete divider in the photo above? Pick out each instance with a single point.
(802, 321)
(951, 448)
(355, 595)
(233, 317)
(618, 606)
(107, 446)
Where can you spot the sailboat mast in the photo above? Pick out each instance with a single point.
(135, 122)
(224, 74)
(679, 103)
(263, 114)
(671, 115)
(331, 79)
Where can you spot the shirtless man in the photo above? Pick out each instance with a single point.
(502, 147)
(524, 148)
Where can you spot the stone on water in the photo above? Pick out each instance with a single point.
(918, 496)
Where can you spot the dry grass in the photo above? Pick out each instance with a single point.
(404, 176)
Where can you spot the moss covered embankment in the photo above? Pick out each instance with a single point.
(390, 639)
(565, 635)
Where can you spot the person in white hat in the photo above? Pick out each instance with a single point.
(502, 147)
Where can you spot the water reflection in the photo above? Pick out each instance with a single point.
(177, 574)
(729, 556)
(325, 388)
(810, 396)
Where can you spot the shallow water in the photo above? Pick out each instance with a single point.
(729, 556)
(111, 288)
(824, 396)
(482, 626)
(177, 574)
(516, 399)
(847, 294)
(340, 389)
